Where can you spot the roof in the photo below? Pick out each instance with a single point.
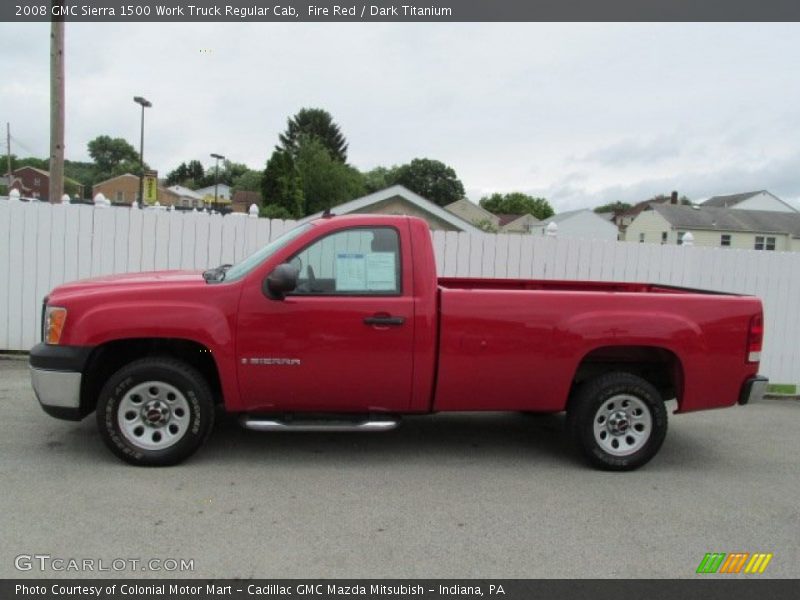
(714, 218)
(732, 199)
(185, 192)
(209, 189)
(406, 194)
(45, 173)
(640, 206)
(116, 177)
(473, 206)
(508, 219)
(563, 216)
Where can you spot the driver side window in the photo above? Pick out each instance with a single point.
(358, 261)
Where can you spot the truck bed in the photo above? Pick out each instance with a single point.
(474, 283)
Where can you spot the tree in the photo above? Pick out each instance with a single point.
(325, 180)
(281, 186)
(112, 156)
(249, 181)
(316, 123)
(380, 178)
(615, 207)
(273, 211)
(517, 203)
(431, 179)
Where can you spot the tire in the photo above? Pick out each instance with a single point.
(155, 412)
(618, 421)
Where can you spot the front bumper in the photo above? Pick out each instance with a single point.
(754, 389)
(56, 376)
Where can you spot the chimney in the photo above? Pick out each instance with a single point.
(673, 199)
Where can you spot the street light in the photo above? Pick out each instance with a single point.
(145, 104)
(219, 157)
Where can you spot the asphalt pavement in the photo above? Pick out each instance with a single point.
(463, 495)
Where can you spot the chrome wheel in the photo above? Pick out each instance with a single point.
(153, 415)
(622, 425)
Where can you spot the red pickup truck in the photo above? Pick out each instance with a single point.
(341, 324)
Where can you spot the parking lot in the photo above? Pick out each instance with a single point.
(462, 495)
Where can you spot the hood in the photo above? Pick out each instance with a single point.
(131, 280)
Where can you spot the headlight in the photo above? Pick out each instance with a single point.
(54, 319)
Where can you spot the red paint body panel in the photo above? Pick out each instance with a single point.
(465, 344)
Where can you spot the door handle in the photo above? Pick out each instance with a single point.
(384, 321)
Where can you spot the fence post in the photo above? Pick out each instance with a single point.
(552, 229)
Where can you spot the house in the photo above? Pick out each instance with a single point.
(760, 200)
(35, 183)
(717, 226)
(519, 224)
(224, 193)
(124, 189)
(626, 217)
(398, 200)
(187, 197)
(582, 223)
(475, 214)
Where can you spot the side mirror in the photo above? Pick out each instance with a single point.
(280, 282)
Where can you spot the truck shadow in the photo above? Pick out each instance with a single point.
(454, 437)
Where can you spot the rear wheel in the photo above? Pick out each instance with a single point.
(618, 421)
(155, 411)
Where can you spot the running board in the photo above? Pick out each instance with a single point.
(263, 424)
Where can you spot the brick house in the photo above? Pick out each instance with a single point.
(124, 189)
(35, 183)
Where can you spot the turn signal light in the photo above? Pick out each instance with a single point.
(55, 317)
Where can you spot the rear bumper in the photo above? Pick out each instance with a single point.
(56, 376)
(753, 389)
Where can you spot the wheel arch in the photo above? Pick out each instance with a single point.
(108, 357)
(658, 365)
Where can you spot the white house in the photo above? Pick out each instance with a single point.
(582, 223)
(186, 196)
(717, 226)
(760, 200)
(224, 192)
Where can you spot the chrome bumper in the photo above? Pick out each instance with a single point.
(59, 392)
(754, 389)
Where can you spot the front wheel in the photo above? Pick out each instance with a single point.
(155, 411)
(618, 421)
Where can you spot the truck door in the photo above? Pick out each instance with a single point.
(342, 341)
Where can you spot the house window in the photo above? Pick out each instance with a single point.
(725, 240)
(120, 196)
(680, 237)
(641, 238)
(37, 181)
(663, 237)
(764, 243)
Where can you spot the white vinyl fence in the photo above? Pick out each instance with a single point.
(43, 245)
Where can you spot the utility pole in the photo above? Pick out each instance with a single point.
(8, 154)
(56, 109)
(218, 157)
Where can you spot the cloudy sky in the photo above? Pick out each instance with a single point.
(580, 113)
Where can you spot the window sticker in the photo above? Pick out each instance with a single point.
(381, 272)
(351, 272)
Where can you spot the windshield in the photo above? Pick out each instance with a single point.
(256, 258)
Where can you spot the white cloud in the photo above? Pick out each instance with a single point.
(581, 113)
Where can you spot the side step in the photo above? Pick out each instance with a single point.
(256, 423)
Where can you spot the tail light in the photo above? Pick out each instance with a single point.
(755, 338)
